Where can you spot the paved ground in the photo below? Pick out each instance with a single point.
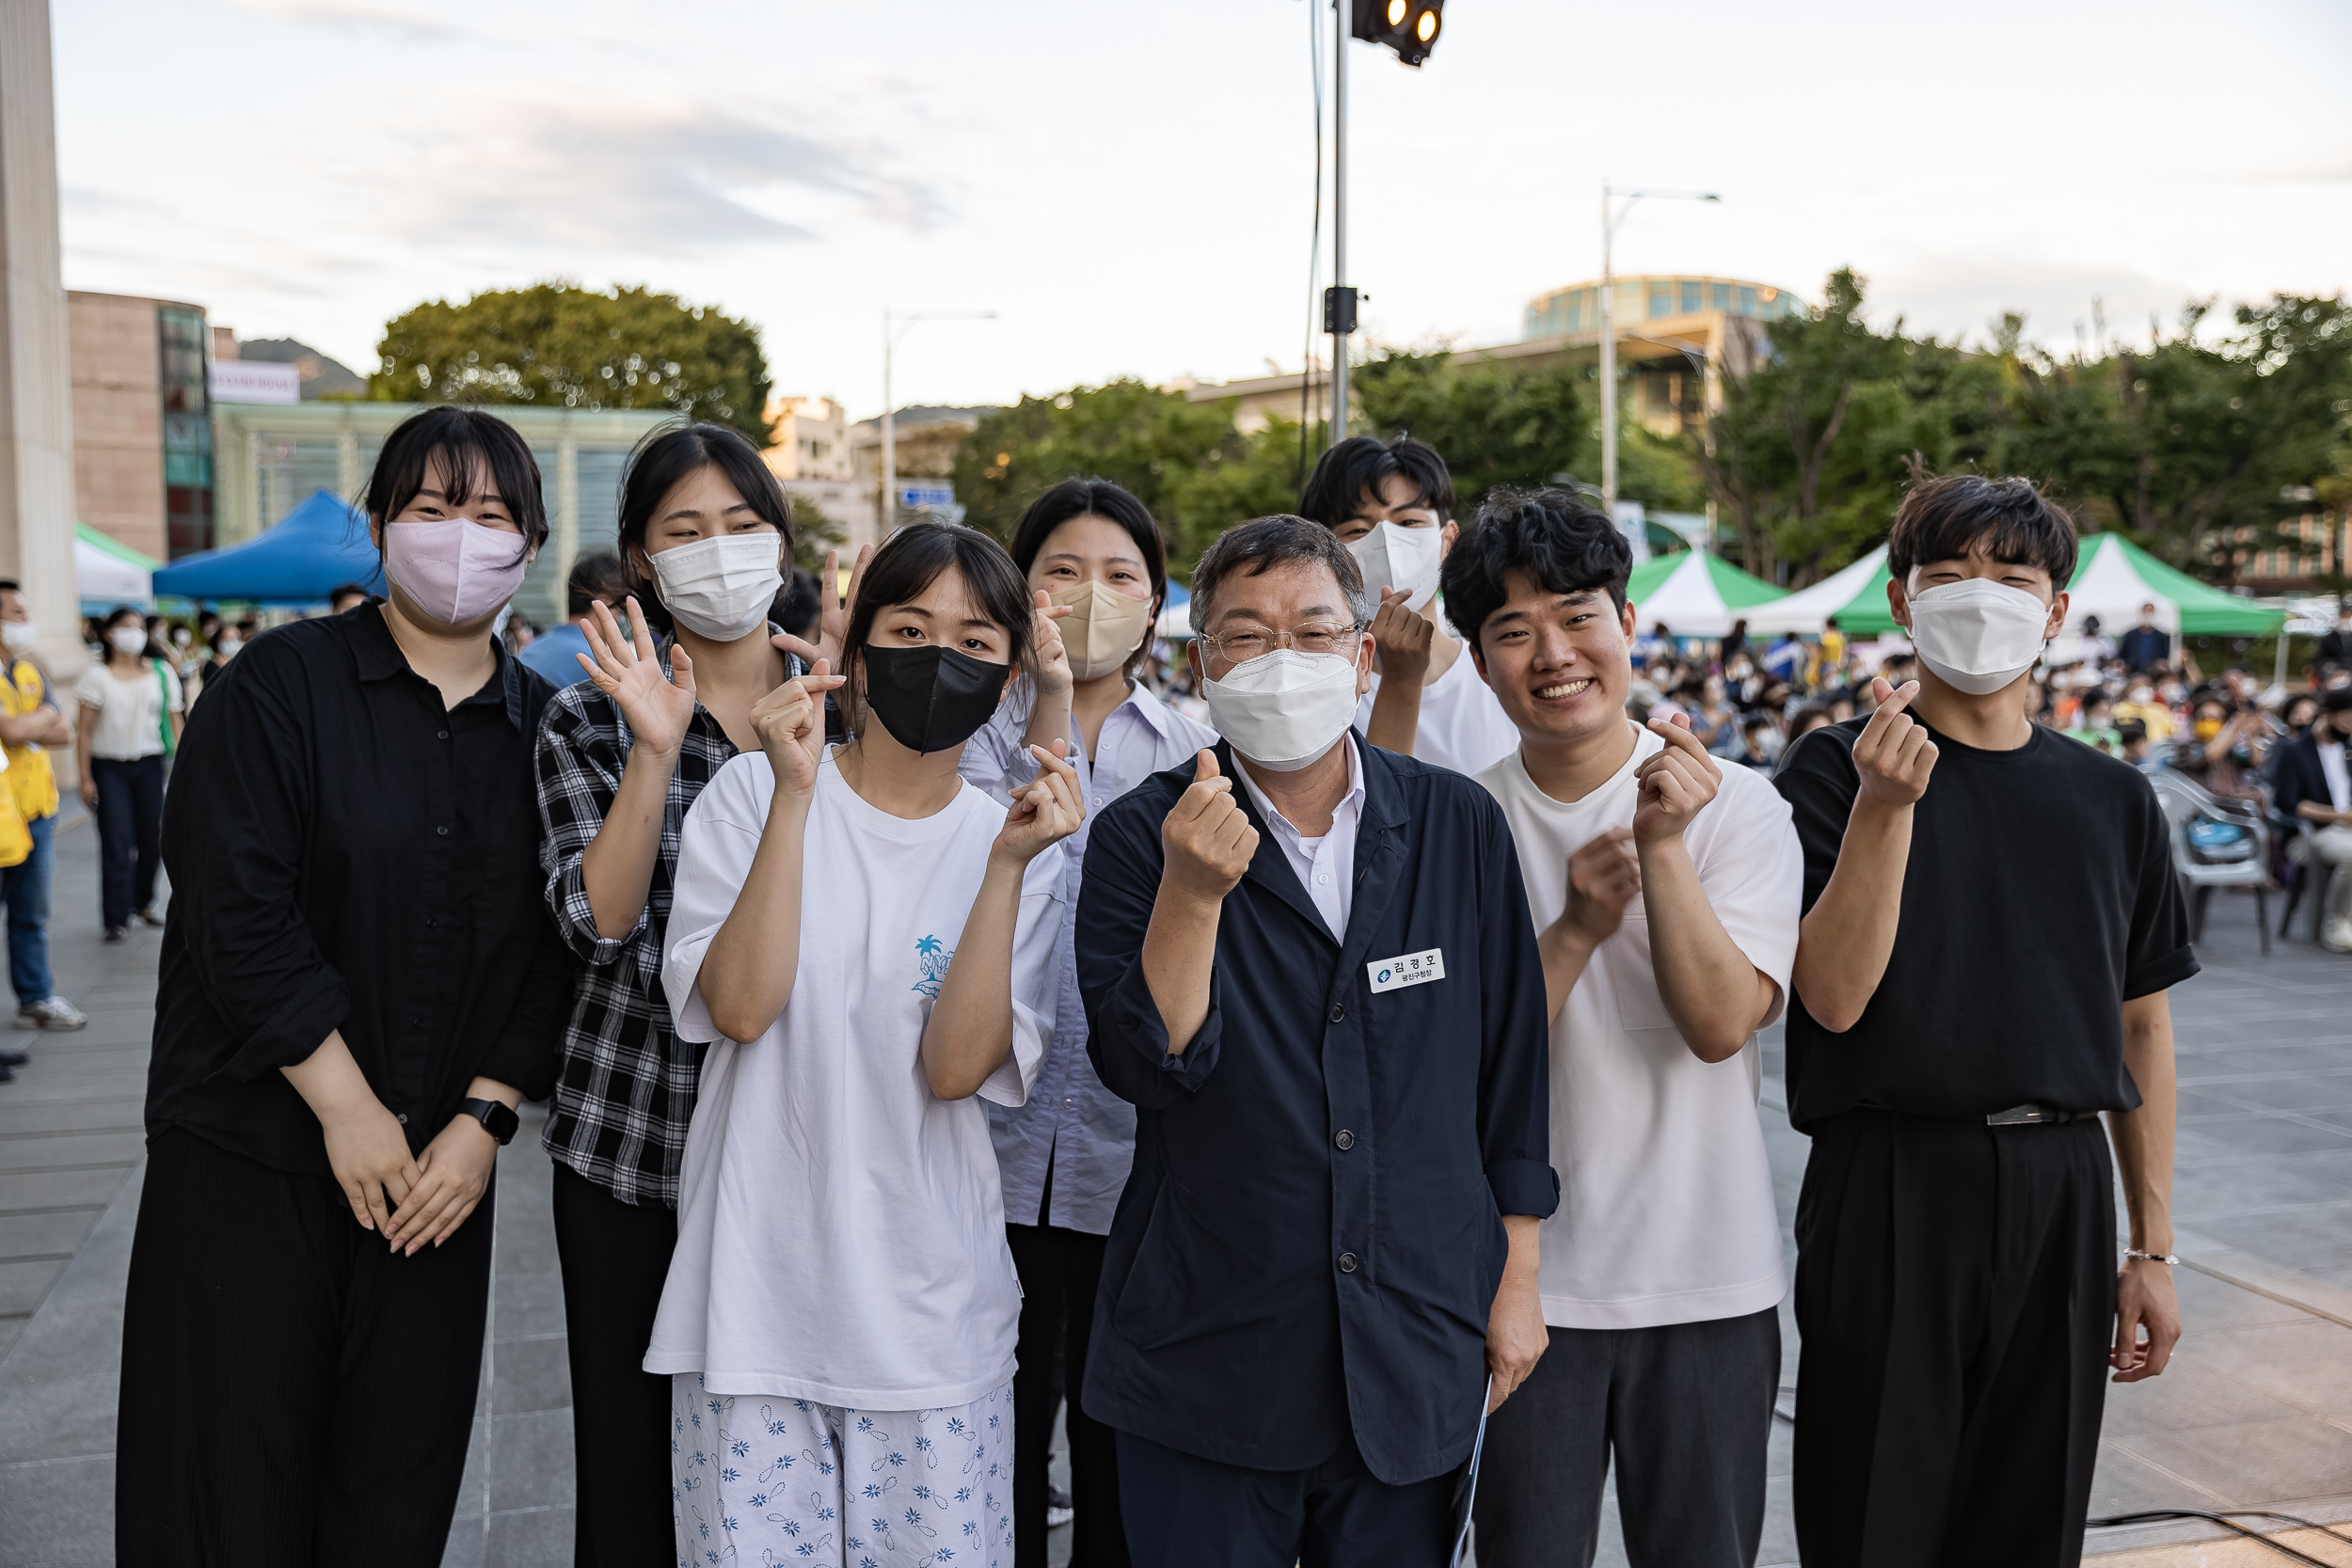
(2257, 1411)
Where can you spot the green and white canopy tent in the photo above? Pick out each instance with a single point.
(2113, 577)
(1697, 594)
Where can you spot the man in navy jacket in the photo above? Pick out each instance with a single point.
(1309, 963)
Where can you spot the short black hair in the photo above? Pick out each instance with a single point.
(482, 450)
(666, 458)
(1355, 468)
(2337, 700)
(1258, 545)
(597, 578)
(908, 562)
(1096, 497)
(1944, 518)
(343, 588)
(1550, 535)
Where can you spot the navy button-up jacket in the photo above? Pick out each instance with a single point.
(1312, 1237)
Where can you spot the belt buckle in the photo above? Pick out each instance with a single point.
(2022, 1116)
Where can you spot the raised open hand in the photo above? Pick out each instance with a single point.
(657, 707)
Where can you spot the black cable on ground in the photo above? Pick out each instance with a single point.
(2157, 1515)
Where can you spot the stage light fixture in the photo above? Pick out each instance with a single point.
(1410, 27)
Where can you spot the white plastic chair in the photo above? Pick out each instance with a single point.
(2184, 801)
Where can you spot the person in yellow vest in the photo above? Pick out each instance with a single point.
(30, 723)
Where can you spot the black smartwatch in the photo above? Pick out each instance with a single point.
(495, 1118)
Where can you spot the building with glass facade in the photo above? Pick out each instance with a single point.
(1565, 313)
(271, 456)
(142, 425)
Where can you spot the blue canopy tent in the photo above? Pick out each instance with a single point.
(316, 547)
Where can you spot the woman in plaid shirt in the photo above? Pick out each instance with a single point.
(706, 533)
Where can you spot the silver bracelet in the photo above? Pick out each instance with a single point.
(2170, 1260)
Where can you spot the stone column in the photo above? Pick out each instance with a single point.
(35, 381)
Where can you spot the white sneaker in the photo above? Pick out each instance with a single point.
(2337, 935)
(54, 1013)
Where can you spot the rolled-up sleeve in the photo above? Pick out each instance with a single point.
(237, 822)
(526, 1053)
(577, 769)
(1036, 979)
(1515, 1077)
(1126, 1037)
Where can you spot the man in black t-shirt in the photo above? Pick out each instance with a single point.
(1990, 924)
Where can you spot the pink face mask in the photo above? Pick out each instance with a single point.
(453, 568)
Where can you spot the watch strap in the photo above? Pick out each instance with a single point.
(496, 1119)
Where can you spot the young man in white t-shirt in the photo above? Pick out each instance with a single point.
(1665, 889)
(1392, 503)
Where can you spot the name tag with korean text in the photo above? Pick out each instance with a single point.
(1407, 969)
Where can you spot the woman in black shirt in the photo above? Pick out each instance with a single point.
(358, 986)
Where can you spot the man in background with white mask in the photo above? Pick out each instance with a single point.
(1309, 964)
(1392, 503)
(1991, 924)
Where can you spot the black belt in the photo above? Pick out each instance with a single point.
(2032, 1114)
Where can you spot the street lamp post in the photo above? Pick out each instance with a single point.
(894, 328)
(1341, 312)
(1611, 215)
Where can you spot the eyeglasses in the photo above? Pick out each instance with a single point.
(1245, 643)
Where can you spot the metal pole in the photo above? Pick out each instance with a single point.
(1337, 431)
(1608, 364)
(885, 509)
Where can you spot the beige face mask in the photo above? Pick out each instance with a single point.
(1103, 629)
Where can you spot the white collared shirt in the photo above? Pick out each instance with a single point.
(1325, 866)
(2331, 764)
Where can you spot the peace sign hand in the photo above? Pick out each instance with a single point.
(627, 669)
(832, 612)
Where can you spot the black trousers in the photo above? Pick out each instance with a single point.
(1687, 1409)
(293, 1394)
(615, 1258)
(1956, 1297)
(1185, 1511)
(129, 836)
(1059, 1272)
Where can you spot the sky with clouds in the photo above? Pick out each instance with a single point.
(1129, 184)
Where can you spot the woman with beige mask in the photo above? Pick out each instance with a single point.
(1097, 565)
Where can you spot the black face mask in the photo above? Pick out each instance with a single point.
(931, 699)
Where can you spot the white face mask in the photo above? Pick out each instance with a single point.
(721, 588)
(1391, 556)
(129, 639)
(19, 636)
(224, 646)
(1283, 710)
(1977, 635)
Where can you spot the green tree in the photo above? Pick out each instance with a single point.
(1182, 460)
(559, 347)
(1493, 423)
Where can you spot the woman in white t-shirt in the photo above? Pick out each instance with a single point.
(840, 1313)
(131, 717)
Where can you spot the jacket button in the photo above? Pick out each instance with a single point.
(442, 735)
(1347, 1262)
(1346, 1139)
(443, 832)
(401, 1117)
(1339, 1011)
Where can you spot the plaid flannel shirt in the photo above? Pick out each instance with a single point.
(625, 1090)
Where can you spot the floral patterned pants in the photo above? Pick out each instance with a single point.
(760, 1480)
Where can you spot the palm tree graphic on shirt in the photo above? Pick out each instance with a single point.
(935, 957)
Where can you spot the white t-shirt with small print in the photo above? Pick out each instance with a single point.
(1462, 725)
(841, 1230)
(1666, 1208)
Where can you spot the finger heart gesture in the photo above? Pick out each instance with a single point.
(1045, 811)
(1674, 784)
(1893, 756)
(790, 723)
